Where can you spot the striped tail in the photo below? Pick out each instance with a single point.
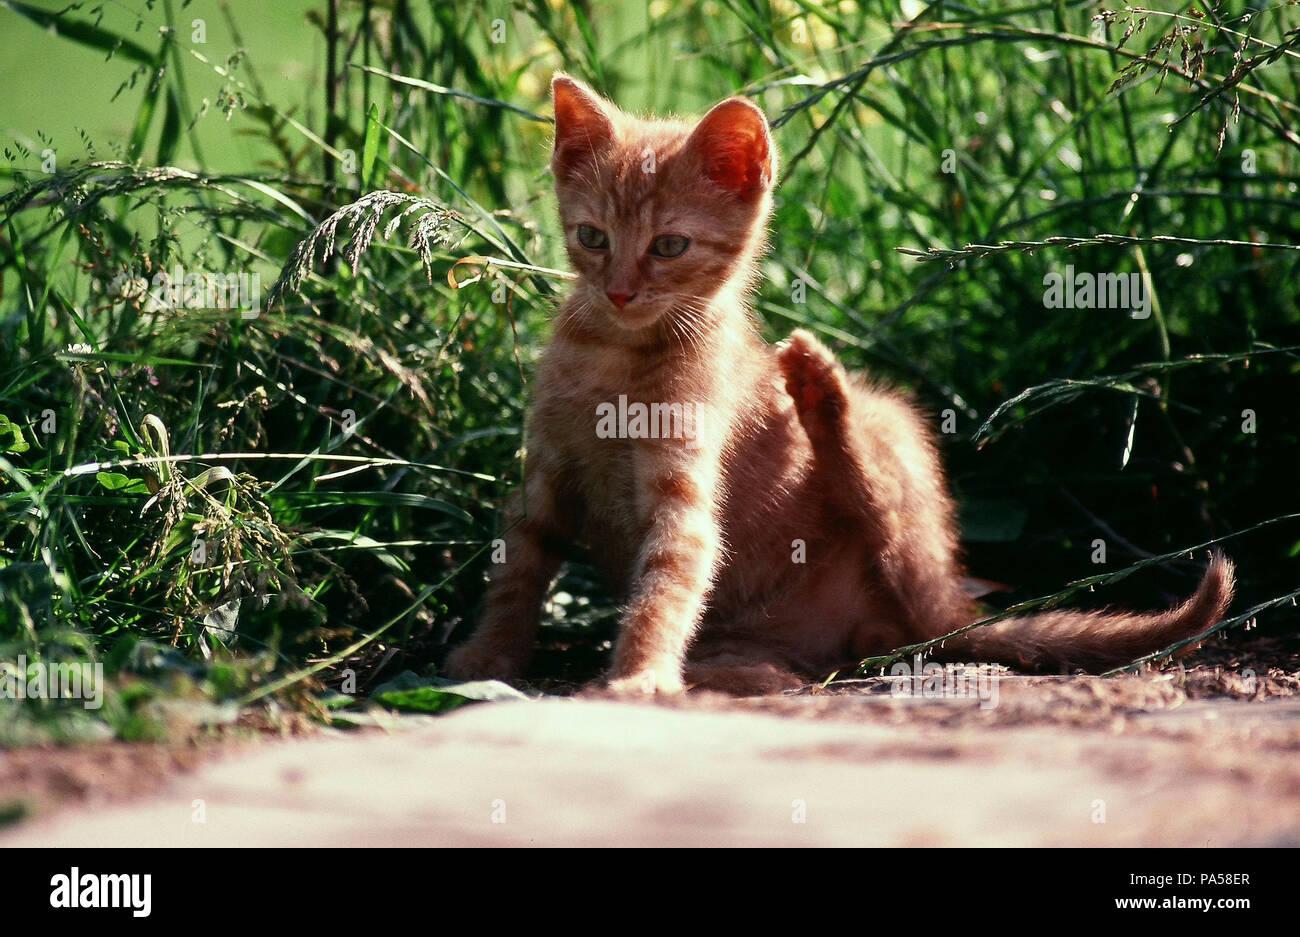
(1095, 640)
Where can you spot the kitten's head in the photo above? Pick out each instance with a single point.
(659, 215)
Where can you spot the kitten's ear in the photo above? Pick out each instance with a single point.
(735, 148)
(582, 125)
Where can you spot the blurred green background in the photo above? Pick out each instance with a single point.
(62, 87)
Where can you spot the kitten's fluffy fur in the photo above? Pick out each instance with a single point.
(703, 534)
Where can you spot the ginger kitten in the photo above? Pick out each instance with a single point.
(768, 516)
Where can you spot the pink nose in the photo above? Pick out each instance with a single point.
(620, 298)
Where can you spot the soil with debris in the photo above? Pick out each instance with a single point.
(1192, 754)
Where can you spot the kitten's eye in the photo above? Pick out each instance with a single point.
(670, 245)
(592, 238)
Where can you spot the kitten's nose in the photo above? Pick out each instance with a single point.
(620, 298)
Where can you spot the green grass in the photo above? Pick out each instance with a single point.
(236, 508)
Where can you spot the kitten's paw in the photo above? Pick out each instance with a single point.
(477, 661)
(815, 382)
(646, 682)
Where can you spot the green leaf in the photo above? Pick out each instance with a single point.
(148, 106)
(376, 548)
(424, 700)
(171, 130)
(370, 148)
(324, 498)
(15, 442)
(122, 484)
(413, 693)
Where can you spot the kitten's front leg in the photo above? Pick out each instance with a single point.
(502, 644)
(674, 569)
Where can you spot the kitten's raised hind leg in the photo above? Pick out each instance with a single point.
(819, 387)
(877, 472)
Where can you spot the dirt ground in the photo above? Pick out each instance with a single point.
(1195, 755)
